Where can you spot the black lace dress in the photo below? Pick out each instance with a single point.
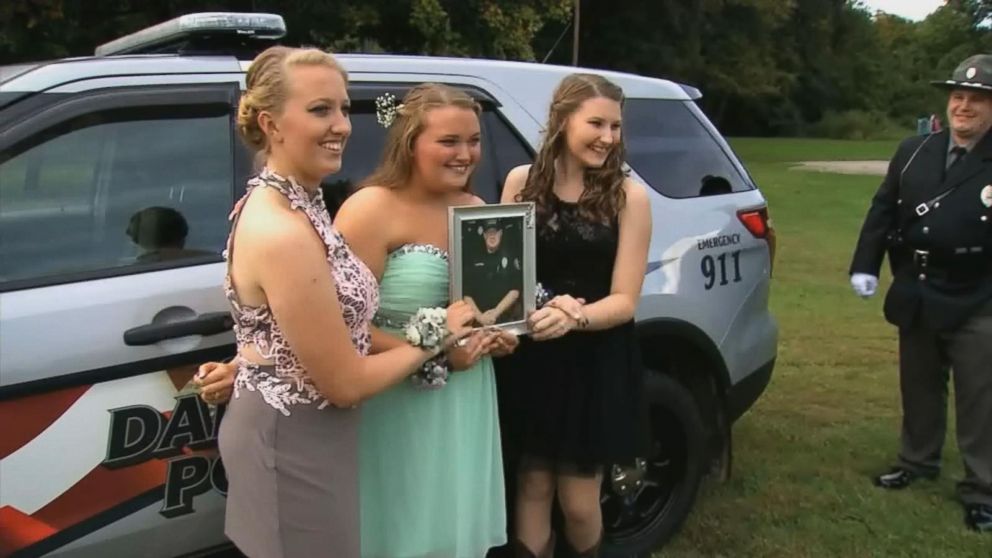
(576, 402)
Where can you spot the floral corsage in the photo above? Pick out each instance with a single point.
(427, 329)
(432, 374)
(542, 295)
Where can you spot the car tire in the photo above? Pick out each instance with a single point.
(672, 475)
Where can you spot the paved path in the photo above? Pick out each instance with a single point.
(873, 168)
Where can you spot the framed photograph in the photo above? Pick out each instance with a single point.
(491, 261)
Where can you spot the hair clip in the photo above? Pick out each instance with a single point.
(386, 109)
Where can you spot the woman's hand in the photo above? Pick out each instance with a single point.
(476, 345)
(550, 322)
(571, 306)
(504, 344)
(216, 381)
(460, 317)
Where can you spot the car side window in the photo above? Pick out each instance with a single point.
(108, 191)
(361, 156)
(502, 150)
(674, 152)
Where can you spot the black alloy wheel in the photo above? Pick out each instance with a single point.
(644, 503)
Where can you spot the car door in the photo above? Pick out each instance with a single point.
(113, 219)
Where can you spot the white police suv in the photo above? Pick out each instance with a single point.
(117, 173)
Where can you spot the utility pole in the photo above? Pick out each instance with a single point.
(575, 34)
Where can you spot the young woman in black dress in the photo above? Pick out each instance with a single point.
(572, 393)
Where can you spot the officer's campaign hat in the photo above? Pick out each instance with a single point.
(974, 73)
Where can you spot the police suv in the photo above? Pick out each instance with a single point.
(117, 173)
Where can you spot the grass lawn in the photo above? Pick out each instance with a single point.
(830, 417)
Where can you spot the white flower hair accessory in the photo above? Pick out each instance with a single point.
(386, 109)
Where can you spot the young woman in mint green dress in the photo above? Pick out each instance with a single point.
(431, 473)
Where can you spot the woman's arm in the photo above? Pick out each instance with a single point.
(515, 181)
(363, 222)
(356, 221)
(628, 267)
(302, 295)
(382, 341)
(287, 260)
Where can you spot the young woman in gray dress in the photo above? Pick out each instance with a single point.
(302, 304)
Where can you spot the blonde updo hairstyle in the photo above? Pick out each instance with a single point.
(396, 166)
(266, 87)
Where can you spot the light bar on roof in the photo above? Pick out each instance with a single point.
(259, 26)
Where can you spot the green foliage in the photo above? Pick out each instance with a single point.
(858, 125)
(484, 28)
(503, 29)
(791, 150)
(765, 67)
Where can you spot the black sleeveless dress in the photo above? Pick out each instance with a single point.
(576, 402)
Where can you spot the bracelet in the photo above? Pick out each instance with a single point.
(583, 321)
(427, 328)
(433, 374)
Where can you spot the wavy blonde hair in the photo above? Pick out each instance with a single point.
(396, 166)
(266, 87)
(603, 196)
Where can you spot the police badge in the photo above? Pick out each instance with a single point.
(986, 196)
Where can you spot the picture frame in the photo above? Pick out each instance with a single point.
(491, 255)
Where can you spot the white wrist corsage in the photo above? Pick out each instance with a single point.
(542, 295)
(427, 328)
(433, 374)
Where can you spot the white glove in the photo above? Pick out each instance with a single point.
(864, 284)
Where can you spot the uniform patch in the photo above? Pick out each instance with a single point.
(986, 196)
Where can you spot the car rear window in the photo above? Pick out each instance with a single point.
(675, 152)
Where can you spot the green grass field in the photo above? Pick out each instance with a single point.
(830, 418)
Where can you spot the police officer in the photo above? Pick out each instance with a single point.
(933, 216)
(496, 277)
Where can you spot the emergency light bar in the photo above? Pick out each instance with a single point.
(191, 26)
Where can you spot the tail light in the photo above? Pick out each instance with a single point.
(757, 223)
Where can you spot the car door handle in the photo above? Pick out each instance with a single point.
(205, 324)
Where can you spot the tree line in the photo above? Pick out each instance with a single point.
(765, 67)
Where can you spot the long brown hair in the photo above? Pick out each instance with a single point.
(396, 166)
(602, 196)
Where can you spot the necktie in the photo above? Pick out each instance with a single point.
(957, 153)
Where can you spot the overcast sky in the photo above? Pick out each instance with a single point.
(909, 9)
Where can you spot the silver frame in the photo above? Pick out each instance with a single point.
(525, 211)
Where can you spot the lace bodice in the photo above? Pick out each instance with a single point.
(357, 291)
(574, 255)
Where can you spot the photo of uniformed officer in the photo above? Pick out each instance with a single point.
(931, 217)
(492, 268)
